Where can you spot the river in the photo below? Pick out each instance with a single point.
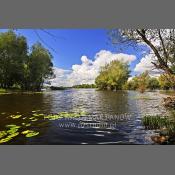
(111, 117)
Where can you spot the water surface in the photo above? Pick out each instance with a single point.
(112, 117)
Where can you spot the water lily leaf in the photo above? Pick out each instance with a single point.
(12, 130)
(30, 133)
(26, 132)
(34, 120)
(15, 116)
(3, 113)
(12, 126)
(2, 134)
(13, 134)
(9, 137)
(38, 115)
(5, 139)
(26, 124)
(65, 115)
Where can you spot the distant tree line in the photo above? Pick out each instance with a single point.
(20, 66)
(85, 86)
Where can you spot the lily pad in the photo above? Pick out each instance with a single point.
(65, 115)
(15, 116)
(26, 132)
(3, 134)
(26, 124)
(30, 133)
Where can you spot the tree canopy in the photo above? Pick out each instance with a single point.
(19, 67)
(113, 76)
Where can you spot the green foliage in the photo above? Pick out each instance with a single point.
(113, 76)
(166, 81)
(142, 82)
(30, 133)
(153, 83)
(85, 86)
(18, 67)
(13, 51)
(156, 122)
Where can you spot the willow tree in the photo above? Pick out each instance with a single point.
(160, 41)
(113, 76)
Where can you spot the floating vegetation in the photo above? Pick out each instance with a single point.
(15, 116)
(2, 134)
(26, 124)
(52, 117)
(12, 130)
(34, 120)
(3, 113)
(30, 133)
(65, 115)
(10, 133)
(38, 115)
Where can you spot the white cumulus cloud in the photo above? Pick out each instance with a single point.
(145, 64)
(88, 70)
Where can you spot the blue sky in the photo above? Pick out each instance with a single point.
(71, 44)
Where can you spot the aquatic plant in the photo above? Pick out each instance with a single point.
(15, 116)
(30, 133)
(26, 124)
(156, 122)
(65, 115)
(10, 133)
(164, 125)
(2, 134)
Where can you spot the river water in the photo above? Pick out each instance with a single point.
(111, 117)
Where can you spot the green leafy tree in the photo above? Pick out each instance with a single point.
(113, 76)
(165, 81)
(153, 83)
(38, 67)
(13, 52)
(21, 69)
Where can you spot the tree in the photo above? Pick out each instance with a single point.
(38, 67)
(142, 81)
(18, 67)
(153, 83)
(131, 84)
(13, 52)
(164, 82)
(160, 41)
(113, 76)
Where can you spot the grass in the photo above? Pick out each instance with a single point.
(156, 122)
(164, 125)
